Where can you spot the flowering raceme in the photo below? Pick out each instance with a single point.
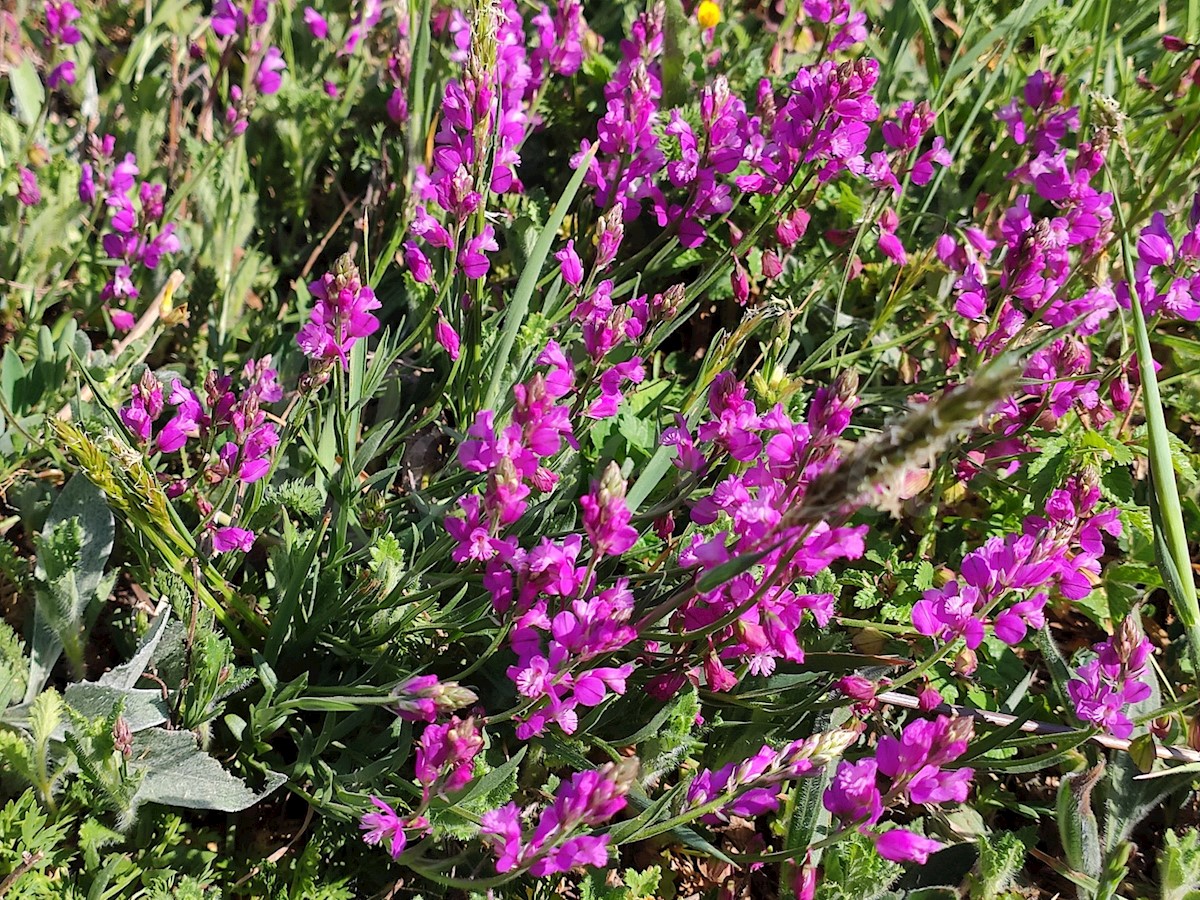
(231, 429)
(781, 457)
(559, 843)
(1102, 688)
(1060, 551)
(341, 316)
(138, 238)
(911, 768)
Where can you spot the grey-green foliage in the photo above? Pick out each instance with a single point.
(631, 885)
(1077, 824)
(14, 667)
(852, 870)
(1001, 856)
(176, 772)
(1179, 866)
(73, 549)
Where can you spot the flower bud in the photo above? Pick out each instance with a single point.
(122, 737)
(856, 687)
(966, 662)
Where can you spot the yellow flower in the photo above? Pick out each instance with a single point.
(708, 14)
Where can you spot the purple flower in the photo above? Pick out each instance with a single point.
(268, 78)
(63, 73)
(556, 844)
(474, 261)
(900, 845)
(606, 516)
(342, 315)
(445, 756)
(230, 538)
(384, 824)
(317, 26)
(1116, 678)
(446, 336)
(853, 794)
(59, 19)
(227, 19)
(572, 267)
(417, 262)
(28, 193)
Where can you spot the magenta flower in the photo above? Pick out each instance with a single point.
(558, 844)
(417, 262)
(445, 756)
(853, 794)
(341, 316)
(317, 26)
(446, 336)
(28, 193)
(268, 78)
(1117, 677)
(60, 19)
(474, 261)
(606, 517)
(572, 267)
(230, 538)
(385, 823)
(900, 845)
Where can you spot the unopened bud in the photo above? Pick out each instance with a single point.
(122, 737)
(612, 485)
(856, 687)
(1161, 727)
(966, 662)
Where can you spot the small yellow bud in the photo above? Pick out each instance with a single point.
(708, 14)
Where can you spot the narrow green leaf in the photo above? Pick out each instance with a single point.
(518, 306)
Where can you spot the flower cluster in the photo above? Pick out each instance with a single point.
(1037, 256)
(422, 698)
(446, 756)
(780, 458)
(61, 31)
(486, 115)
(137, 237)
(341, 316)
(753, 785)
(232, 23)
(1115, 678)
(558, 842)
(1167, 275)
(28, 192)
(909, 768)
(1058, 551)
(230, 430)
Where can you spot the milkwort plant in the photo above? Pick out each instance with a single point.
(621, 449)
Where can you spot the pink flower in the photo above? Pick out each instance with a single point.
(417, 262)
(900, 845)
(572, 267)
(317, 26)
(474, 261)
(445, 335)
(230, 538)
(384, 824)
(268, 78)
(606, 517)
(28, 193)
(341, 316)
